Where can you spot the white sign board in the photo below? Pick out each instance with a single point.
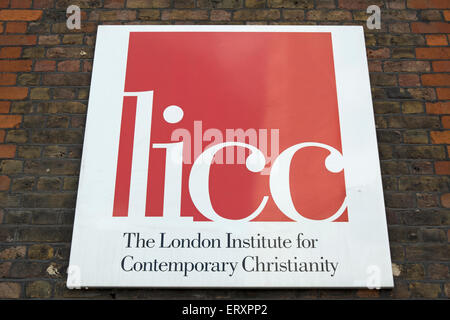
(230, 156)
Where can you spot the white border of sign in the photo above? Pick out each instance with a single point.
(364, 244)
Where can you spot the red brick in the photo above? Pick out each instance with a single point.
(49, 40)
(408, 80)
(148, 3)
(375, 66)
(10, 121)
(396, 4)
(44, 65)
(4, 183)
(433, 53)
(16, 27)
(20, 15)
(445, 122)
(13, 93)
(443, 93)
(10, 290)
(7, 150)
(436, 79)
(15, 65)
(69, 66)
(399, 27)
(425, 4)
(22, 4)
(378, 53)
(220, 15)
(7, 79)
(424, 290)
(447, 15)
(17, 40)
(4, 106)
(114, 4)
(430, 27)
(445, 200)
(438, 108)
(4, 3)
(436, 40)
(114, 15)
(66, 79)
(185, 14)
(73, 39)
(442, 167)
(10, 52)
(87, 66)
(2, 135)
(407, 66)
(358, 4)
(43, 4)
(430, 15)
(368, 293)
(441, 66)
(440, 137)
(326, 15)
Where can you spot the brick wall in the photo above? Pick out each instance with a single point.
(45, 72)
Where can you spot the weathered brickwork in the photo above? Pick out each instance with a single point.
(45, 72)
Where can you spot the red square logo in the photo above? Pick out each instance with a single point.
(262, 94)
